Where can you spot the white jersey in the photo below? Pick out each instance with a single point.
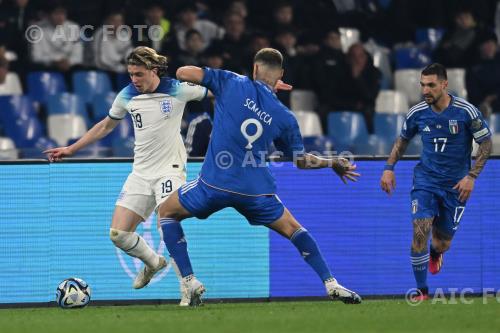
(157, 116)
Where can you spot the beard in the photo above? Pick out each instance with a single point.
(431, 100)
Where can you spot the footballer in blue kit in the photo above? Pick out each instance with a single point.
(443, 179)
(248, 118)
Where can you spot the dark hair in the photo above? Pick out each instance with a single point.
(282, 4)
(147, 57)
(435, 69)
(188, 6)
(191, 32)
(270, 57)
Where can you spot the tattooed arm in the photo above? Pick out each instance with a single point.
(398, 150)
(466, 184)
(388, 181)
(482, 155)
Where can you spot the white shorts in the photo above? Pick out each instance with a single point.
(143, 196)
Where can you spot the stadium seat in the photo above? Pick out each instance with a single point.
(8, 149)
(346, 127)
(388, 125)
(373, 145)
(88, 84)
(318, 144)
(122, 80)
(41, 144)
(123, 147)
(41, 85)
(123, 131)
(14, 107)
(415, 146)
(303, 100)
(67, 103)
(63, 127)
(309, 123)
(382, 60)
(407, 81)
(348, 36)
(20, 121)
(11, 85)
(494, 123)
(411, 57)
(391, 102)
(24, 131)
(94, 150)
(428, 37)
(456, 82)
(101, 105)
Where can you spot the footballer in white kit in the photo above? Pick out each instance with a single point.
(156, 104)
(159, 154)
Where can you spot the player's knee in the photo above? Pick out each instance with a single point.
(418, 246)
(122, 239)
(441, 245)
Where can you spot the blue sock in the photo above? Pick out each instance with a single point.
(419, 262)
(309, 250)
(173, 236)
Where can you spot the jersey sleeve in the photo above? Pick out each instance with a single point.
(191, 92)
(477, 126)
(118, 109)
(216, 79)
(290, 141)
(410, 127)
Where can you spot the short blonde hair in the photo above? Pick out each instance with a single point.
(270, 57)
(147, 57)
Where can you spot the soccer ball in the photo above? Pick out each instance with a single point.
(73, 293)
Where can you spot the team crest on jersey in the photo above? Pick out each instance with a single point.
(414, 206)
(166, 106)
(453, 126)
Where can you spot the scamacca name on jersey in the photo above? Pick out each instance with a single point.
(264, 116)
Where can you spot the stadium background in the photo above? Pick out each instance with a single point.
(354, 64)
(55, 220)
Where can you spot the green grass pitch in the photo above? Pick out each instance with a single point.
(286, 317)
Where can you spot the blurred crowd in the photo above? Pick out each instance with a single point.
(227, 33)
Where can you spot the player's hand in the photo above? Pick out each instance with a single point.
(280, 85)
(56, 154)
(345, 170)
(464, 187)
(388, 181)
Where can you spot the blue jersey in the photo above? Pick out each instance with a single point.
(447, 141)
(248, 118)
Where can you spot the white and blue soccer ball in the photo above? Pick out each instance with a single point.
(73, 293)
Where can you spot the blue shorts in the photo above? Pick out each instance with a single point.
(202, 200)
(441, 204)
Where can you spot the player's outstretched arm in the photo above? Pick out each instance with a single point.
(466, 184)
(97, 132)
(191, 74)
(195, 75)
(340, 166)
(388, 180)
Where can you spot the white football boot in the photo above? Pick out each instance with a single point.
(337, 292)
(195, 290)
(146, 274)
(185, 296)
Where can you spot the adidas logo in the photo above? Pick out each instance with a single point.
(427, 129)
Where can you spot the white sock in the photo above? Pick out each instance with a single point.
(135, 246)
